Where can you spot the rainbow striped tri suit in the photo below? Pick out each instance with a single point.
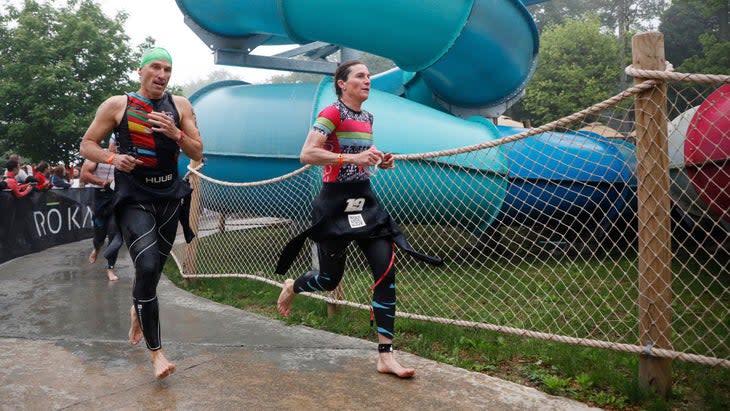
(348, 132)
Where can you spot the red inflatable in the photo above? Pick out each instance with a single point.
(707, 152)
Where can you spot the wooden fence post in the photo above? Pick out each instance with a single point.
(191, 250)
(337, 294)
(655, 253)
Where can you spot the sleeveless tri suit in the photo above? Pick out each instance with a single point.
(157, 176)
(149, 202)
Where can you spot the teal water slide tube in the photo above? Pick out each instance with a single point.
(456, 55)
(468, 54)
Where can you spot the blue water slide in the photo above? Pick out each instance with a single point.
(255, 132)
(468, 54)
(456, 56)
(574, 178)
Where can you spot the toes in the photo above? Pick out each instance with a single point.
(166, 372)
(407, 373)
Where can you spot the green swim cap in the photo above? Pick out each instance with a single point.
(154, 54)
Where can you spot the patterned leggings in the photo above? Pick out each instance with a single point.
(379, 254)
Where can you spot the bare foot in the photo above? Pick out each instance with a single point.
(110, 274)
(163, 368)
(92, 256)
(283, 304)
(135, 331)
(388, 365)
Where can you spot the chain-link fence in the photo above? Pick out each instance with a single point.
(539, 229)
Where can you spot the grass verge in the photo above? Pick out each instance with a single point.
(603, 378)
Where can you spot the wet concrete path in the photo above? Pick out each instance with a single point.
(63, 345)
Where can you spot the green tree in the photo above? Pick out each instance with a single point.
(577, 68)
(559, 11)
(714, 59)
(622, 17)
(682, 24)
(719, 9)
(58, 64)
(697, 36)
(626, 17)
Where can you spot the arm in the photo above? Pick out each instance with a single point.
(23, 190)
(87, 174)
(187, 136)
(43, 182)
(314, 153)
(107, 117)
(59, 182)
(19, 190)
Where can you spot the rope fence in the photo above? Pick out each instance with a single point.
(539, 228)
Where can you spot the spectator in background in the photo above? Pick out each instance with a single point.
(19, 190)
(40, 176)
(21, 175)
(101, 177)
(57, 178)
(74, 175)
(28, 169)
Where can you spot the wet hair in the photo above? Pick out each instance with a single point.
(11, 165)
(342, 72)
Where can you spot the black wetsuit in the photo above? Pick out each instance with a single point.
(147, 204)
(105, 226)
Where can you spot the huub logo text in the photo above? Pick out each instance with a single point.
(54, 221)
(158, 180)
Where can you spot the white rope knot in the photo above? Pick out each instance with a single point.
(669, 74)
(648, 74)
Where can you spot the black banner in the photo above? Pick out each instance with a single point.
(44, 219)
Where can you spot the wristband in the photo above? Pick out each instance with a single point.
(110, 160)
(340, 159)
(182, 137)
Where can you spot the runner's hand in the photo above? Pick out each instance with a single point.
(125, 162)
(162, 123)
(388, 161)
